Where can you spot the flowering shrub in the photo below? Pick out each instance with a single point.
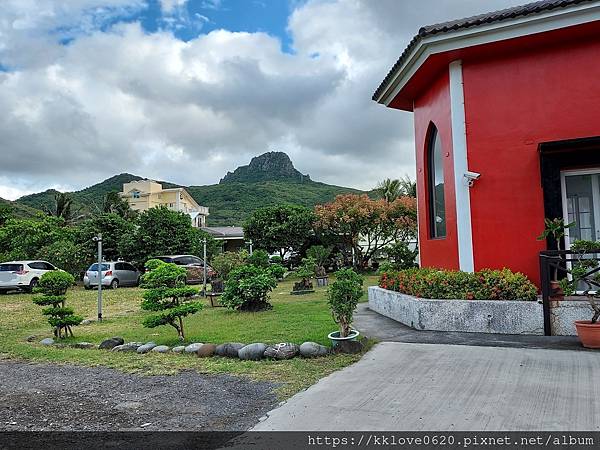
(486, 284)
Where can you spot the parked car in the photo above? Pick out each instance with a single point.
(114, 274)
(22, 275)
(193, 265)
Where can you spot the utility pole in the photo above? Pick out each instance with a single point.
(98, 239)
(204, 259)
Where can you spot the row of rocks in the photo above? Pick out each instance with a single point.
(251, 352)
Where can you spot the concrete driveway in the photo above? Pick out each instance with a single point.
(412, 387)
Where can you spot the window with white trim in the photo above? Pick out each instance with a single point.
(435, 185)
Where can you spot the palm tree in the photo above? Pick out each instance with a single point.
(113, 203)
(408, 186)
(62, 208)
(389, 190)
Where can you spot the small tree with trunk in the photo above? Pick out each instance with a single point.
(343, 297)
(168, 296)
(53, 286)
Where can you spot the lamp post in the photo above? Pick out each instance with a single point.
(98, 239)
(250, 244)
(204, 259)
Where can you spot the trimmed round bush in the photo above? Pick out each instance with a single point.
(247, 289)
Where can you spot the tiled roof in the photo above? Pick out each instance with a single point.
(225, 232)
(474, 21)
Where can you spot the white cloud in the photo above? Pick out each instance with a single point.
(124, 100)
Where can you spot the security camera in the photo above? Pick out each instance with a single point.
(471, 177)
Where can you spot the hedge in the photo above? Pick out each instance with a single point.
(486, 284)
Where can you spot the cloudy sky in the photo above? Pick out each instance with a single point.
(185, 90)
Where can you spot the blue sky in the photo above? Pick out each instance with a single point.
(195, 17)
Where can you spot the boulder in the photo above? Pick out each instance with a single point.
(86, 322)
(129, 347)
(111, 343)
(178, 349)
(85, 345)
(252, 352)
(146, 347)
(229, 349)
(161, 349)
(206, 350)
(351, 347)
(313, 350)
(193, 348)
(47, 341)
(285, 350)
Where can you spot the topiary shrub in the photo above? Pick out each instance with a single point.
(305, 272)
(343, 296)
(54, 285)
(259, 258)
(486, 284)
(247, 289)
(167, 295)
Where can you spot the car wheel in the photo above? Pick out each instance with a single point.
(3, 292)
(114, 284)
(138, 281)
(32, 284)
(87, 288)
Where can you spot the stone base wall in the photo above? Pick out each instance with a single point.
(476, 316)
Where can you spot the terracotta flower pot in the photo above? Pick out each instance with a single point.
(589, 333)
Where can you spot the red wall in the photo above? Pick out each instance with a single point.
(512, 104)
(434, 106)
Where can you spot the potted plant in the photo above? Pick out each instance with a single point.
(320, 254)
(343, 296)
(555, 229)
(584, 271)
(305, 272)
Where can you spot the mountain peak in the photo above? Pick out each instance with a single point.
(266, 167)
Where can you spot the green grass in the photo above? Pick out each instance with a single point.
(292, 319)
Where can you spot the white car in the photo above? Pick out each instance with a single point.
(22, 275)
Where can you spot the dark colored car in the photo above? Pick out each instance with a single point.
(193, 265)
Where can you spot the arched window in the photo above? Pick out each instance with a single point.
(435, 188)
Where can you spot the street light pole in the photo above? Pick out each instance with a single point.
(99, 240)
(204, 259)
(250, 247)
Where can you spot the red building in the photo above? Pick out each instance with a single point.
(507, 131)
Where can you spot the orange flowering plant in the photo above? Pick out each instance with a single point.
(369, 225)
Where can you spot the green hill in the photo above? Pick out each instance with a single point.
(18, 210)
(269, 179)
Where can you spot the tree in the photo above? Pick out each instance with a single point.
(113, 228)
(319, 254)
(259, 258)
(389, 190)
(6, 212)
(280, 228)
(54, 287)
(160, 231)
(113, 203)
(22, 239)
(63, 204)
(65, 254)
(408, 187)
(168, 296)
(368, 225)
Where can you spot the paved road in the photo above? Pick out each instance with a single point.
(405, 386)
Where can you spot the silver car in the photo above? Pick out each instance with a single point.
(114, 274)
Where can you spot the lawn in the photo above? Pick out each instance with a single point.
(293, 319)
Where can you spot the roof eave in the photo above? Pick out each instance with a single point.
(423, 48)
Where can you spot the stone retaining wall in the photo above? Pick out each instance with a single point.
(476, 316)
